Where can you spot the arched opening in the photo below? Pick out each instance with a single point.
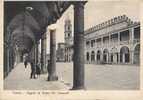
(98, 57)
(111, 57)
(137, 54)
(92, 56)
(105, 56)
(124, 55)
(114, 55)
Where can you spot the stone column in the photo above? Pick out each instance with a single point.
(118, 38)
(118, 57)
(37, 52)
(131, 57)
(34, 54)
(101, 58)
(11, 57)
(89, 61)
(43, 53)
(78, 57)
(102, 41)
(107, 57)
(95, 57)
(123, 58)
(8, 63)
(8, 51)
(109, 40)
(52, 67)
(131, 32)
(115, 58)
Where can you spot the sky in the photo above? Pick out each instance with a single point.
(96, 12)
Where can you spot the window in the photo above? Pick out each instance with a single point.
(68, 34)
(87, 43)
(92, 43)
(137, 33)
(124, 35)
(68, 27)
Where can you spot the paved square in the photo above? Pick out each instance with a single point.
(103, 77)
(97, 77)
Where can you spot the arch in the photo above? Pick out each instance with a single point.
(87, 56)
(92, 56)
(137, 54)
(114, 55)
(105, 55)
(114, 50)
(98, 56)
(105, 51)
(124, 55)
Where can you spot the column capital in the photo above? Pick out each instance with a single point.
(79, 2)
(52, 30)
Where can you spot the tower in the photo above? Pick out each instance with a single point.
(68, 32)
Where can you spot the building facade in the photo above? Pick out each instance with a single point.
(61, 52)
(116, 41)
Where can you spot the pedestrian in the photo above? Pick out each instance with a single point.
(38, 70)
(33, 70)
(25, 63)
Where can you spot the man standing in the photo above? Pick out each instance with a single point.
(25, 63)
(33, 70)
(38, 70)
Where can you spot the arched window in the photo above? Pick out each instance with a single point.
(98, 55)
(105, 55)
(92, 56)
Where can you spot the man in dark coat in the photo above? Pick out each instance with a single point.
(38, 70)
(25, 63)
(33, 69)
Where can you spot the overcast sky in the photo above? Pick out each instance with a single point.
(97, 12)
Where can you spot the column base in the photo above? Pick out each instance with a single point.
(52, 78)
(78, 88)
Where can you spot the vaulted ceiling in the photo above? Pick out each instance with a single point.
(25, 22)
